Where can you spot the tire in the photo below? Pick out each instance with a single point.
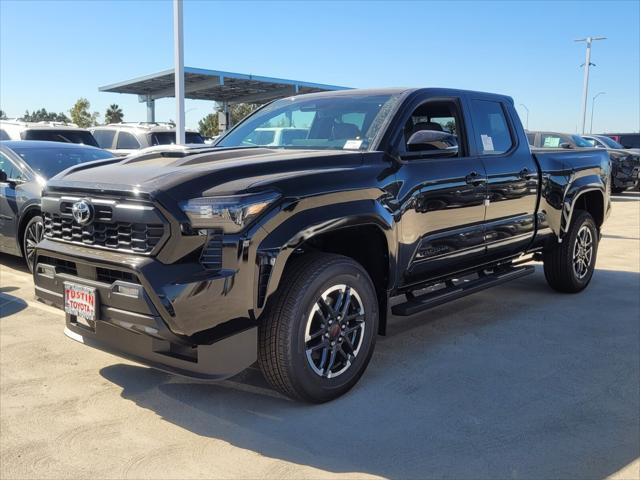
(33, 233)
(300, 366)
(560, 268)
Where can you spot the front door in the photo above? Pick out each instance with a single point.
(8, 206)
(441, 196)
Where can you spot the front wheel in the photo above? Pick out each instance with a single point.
(568, 266)
(33, 233)
(318, 333)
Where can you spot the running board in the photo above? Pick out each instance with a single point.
(453, 292)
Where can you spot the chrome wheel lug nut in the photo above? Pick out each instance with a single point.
(343, 327)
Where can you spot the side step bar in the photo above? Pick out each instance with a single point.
(453, 292)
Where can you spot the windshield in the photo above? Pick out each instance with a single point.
(610, 142)
(49, 161)
(169, 138)
(64, 136)
(581, 142)
(333, 123)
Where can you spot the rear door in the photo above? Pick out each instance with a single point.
(8, 204)
(512, 174)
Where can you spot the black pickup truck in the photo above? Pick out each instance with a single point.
(202, 261)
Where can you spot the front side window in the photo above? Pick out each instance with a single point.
(610, 142)
(7, 167)
(104, 138)
(335, 123)
(493, 136)
(126, 141)
(435, 129)
(580, 142)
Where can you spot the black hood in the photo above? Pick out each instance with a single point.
(223, 171)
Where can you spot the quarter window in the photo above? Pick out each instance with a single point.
(127, 141)
(491, 128)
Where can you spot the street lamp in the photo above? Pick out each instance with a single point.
(593, 107)
(585, 90)
(527, 121)
(178, 61)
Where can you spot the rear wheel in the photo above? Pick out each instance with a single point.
(33, 233)
(318, 334)
(568, 266)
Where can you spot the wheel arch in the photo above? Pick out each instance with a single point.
(29, 212)
(332, 231)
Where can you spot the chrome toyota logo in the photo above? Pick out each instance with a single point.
(82, 212)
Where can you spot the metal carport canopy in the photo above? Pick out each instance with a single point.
(215, 85)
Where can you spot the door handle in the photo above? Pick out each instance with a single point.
(474, 178)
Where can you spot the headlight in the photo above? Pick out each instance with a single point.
(231, 213)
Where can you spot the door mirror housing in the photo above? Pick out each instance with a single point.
(566, 145)
(3, 176)
(433, 143)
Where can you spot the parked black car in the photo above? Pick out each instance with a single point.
(627, 140)
(202, 261)
(625, 165)
(25, 167)
(625, 161)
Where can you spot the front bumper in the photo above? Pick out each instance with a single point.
(175, 317)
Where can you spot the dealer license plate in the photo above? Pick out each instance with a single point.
(80, 301)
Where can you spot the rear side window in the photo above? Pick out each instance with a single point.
(491, 128)
(127, 141)
(550, 141)
(104, 138)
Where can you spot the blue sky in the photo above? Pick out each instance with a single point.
(53, 52)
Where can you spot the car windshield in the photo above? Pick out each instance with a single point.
(169, 138)
(331, 123)
(64, 136)
(610, 142)
(581, 142)
(49, 161)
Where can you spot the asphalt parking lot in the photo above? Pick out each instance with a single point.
(515, 382)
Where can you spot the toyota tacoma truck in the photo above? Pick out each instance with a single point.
(203, 261)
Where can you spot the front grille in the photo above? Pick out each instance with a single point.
(108, 275)
(211, 257)
(103, 213)
(134, 237)
(61, 266)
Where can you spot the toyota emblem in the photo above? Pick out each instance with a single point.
(82, 212)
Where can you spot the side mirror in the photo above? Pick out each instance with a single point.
(3, 176)
(433, 143)
(565, 145)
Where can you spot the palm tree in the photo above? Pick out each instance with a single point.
(114, 114)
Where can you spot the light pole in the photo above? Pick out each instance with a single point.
(585, 89)
(527, 121)
(178, 60)
(593, 107)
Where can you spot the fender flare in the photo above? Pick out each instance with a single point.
(277, 247)
(575, 190)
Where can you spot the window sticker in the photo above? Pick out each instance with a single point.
(551, 142)
(487, 143)
(352, 145)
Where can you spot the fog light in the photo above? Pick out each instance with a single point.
(47, 270)
(128, 290)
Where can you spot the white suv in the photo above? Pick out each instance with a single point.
(51, 131)
(125, 138)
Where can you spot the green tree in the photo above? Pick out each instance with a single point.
(3, 116)
(43, 116)
(208, 126)
(113, 114)
(81, 116)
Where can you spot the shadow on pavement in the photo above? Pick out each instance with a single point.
(12, 261)
(10, 304)
(515, 382)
